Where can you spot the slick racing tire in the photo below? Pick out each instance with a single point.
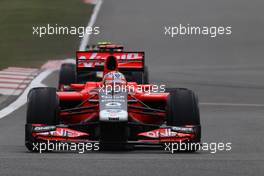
(139, 77)
(146, 76)
(67, 74)
(88, 76)
(183, 110)
(42, 108)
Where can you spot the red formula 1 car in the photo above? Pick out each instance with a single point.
(105, 46)
(68, 74)
(113, 112)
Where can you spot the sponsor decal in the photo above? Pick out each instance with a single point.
(162, 132)
(113, 113)
(182, 129)
(120, 56)
(82, 58)
(113, 118)
(63, 132)
(43, 128)
(111, 104)
(97, 59)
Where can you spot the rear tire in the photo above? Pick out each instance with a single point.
(42, 108)
(146, 75)
(140, 77)
(183, 110)
(137, 77)
(67, 74)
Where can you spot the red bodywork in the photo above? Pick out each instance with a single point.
(125, 60)
(87, 93)
(79, 107)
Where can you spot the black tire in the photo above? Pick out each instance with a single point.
(146, 75)
(182, 107)
(137, 77)
(67, 74)
(140, 77)
(183, 110)
(42, 108)
(88, 76)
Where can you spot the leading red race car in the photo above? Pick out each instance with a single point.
(113, 112)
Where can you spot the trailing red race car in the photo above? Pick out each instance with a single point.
(69, 75)
(105, 46)
(113, 111)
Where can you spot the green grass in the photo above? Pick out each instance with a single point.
(19, 47)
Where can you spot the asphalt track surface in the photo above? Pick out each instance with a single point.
(221, 70)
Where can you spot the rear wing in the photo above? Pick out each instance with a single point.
(95, 60)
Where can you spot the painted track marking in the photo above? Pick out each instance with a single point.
(22, 99)
(86, 38)
(231, 104)
(13, 80)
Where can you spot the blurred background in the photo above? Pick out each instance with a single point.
(19, 47)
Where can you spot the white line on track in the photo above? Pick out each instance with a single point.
(86, 37)
(231, 104)
(22, 99)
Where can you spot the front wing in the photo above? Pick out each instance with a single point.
(155, 135)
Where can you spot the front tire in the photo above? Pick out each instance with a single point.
(42, 108)
(183, 110)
